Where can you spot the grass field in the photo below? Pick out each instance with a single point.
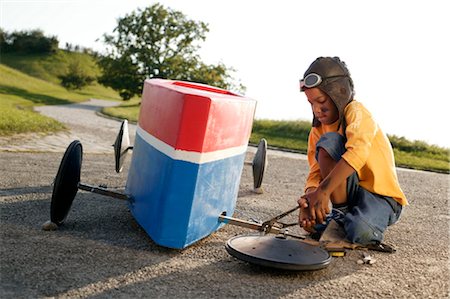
(293, 135)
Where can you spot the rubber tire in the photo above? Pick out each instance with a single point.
(259, 163)
(66, 182)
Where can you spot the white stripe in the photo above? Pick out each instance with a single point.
(189, 156)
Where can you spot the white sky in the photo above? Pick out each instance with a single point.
(397, 51)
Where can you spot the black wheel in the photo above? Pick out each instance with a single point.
(66, 182)
(281, 253)
(121, 146)
(259, 164)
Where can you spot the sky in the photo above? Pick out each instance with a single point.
(397, 51)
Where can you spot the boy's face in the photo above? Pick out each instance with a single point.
(323, 107)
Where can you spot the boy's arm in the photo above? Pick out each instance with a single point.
(360, 131)
(317, 200)
(313, 179)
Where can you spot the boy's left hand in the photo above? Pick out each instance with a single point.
(318, 205)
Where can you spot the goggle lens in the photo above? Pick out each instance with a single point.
(313, 80)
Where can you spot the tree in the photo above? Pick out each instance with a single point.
(33, 41)
(158, 42)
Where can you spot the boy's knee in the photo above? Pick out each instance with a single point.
(333, 144)
(358, 230)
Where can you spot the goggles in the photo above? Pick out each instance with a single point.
(312, 80)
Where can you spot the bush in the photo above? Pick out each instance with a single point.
(75, 78)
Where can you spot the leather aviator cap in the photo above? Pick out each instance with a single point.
(339, 89)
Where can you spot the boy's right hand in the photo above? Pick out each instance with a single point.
(304, 218)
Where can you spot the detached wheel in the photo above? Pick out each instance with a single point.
(121, 146)
(259, 164)
(274, 252)
(66, 182)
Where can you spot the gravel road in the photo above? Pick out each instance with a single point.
(101, 252)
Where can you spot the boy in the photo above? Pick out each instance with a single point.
(351, 160)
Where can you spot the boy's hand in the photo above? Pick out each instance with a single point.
(304, 218)
(318, 205)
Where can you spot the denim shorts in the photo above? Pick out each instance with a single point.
(367, 214)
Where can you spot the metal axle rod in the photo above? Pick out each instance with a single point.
(257, 226)
(102, 191)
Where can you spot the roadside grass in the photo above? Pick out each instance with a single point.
(18, 94)
(420, 161)
(293, 136)
(128, 110)
(17, 116)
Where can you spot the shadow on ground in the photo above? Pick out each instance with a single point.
(102, 251)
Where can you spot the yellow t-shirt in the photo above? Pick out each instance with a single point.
(368, 151)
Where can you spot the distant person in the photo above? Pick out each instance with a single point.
(352, 177)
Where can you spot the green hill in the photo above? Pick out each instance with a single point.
(28, 80)
(49, 66)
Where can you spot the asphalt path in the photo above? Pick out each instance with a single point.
(101, 252)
